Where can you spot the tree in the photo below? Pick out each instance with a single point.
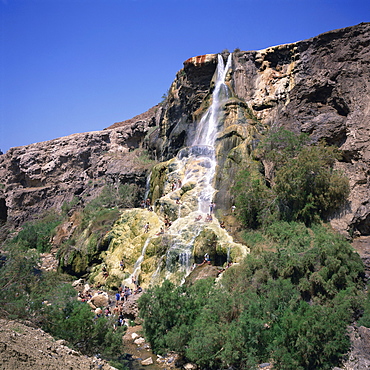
(307, 186)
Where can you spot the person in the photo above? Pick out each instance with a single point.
(146, 227)
(206, 259)
(167, 222)
(116, 310)
(211, 207)
(161, 231)
(118, 297)
(233, 209)
(198, 218)
(105, 272)
(127, 293)
(122, 265)
(138, 290)
(222, 225)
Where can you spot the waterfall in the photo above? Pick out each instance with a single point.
(137, 267)
(208, 125)
(197, 164)
(186, 196)
(205, 137)
(147, 186)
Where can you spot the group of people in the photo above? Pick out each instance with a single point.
(146, 203)
(123, 294)
(209, 217)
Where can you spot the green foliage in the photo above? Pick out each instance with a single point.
(293, 235)
(280, 146)
(18, 278)
(67, 206)
(303, 185)
(120, 195)
(365, 319)
(290, 307)
(48, 301)
(307, 186)
(255, 201)
(75, 322)
(306, 339)
(37, 234)
(169, 312)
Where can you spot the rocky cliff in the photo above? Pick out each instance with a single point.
(45, 175)
(319, 86)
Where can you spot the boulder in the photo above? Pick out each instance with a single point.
(148, 361)
(100, 299)
(139, 341)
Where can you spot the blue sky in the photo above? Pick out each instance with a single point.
(69, 66)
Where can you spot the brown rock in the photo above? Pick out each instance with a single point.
(24, 347)
(100, 300)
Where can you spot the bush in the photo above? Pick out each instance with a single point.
(308, 188)
(303, 185)
(48, 301)
(37, 234)
(291, 306)
(255, 201)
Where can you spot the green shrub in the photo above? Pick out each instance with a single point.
(291, 306)
(67, 206)
(302, 185)
(365, 318)
(255, 201)
(37, 234)
(308, 188)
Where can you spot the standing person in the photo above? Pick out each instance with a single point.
(146, 227)
(233, 209)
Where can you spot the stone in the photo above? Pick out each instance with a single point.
(100, 299)
(139, 341)
(148, 361)
(190, 366)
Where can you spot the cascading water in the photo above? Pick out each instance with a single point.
(179, 233)
(197, 164)
(208, 125)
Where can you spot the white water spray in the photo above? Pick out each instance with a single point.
(208, 125)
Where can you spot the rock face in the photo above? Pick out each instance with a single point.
(44, 175)
(319, 86)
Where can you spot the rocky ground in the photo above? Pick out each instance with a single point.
(24, 347)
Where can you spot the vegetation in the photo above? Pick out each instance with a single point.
(37, 234)
(291, 306)
(292, 298)
(49, 302)
(304, 185)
